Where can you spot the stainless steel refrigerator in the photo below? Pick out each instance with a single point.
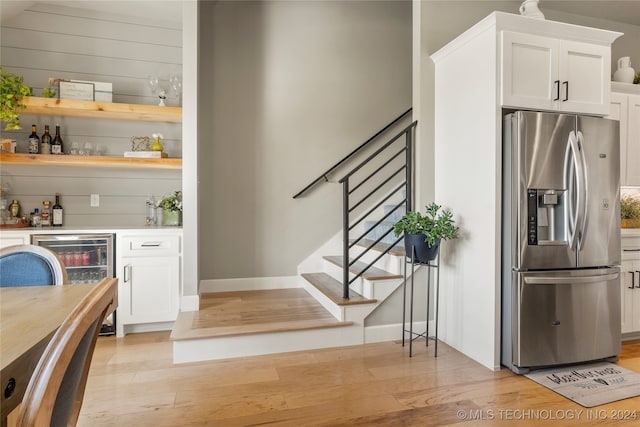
(561, 240)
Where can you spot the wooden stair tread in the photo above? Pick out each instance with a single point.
(236, 313)
(381, 247)
(333, 289)
(372, 273)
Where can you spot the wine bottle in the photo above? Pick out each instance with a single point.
(57, 212)
(56, 144)
(45, 141)
(34, 141)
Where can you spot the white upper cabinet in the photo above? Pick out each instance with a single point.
(625, 107)
(548, 73)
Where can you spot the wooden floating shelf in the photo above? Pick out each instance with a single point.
(100, 110)
(88, 161)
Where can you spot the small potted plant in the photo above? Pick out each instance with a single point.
(424, 232)
(630, 211)
(171, 208)
(12, 90)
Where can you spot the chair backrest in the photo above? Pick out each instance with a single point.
(56, 389)
(30, 265)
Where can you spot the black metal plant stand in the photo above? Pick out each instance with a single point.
(435, 264)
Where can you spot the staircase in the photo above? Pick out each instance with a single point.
(349, 276)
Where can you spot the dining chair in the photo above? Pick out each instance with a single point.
(30, 265)
(56, 389)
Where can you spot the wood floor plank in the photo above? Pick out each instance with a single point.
(367, 385)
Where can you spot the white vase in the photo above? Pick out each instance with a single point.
(625, 72)
(530, 8)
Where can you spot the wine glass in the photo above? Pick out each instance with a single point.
(175, 81)
(156, 88)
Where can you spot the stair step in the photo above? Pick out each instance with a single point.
(333, 289)
(397, 250)
(238, 313)
(372, 273)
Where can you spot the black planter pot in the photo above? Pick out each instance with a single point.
(424, 252)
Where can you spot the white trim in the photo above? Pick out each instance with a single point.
(250, 284)
(190, 303)
(393, 332)
(147, 327)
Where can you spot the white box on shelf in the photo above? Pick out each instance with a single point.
(76, 90)
(103, 91)
(146, 154)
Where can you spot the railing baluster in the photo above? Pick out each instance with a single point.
(409, 161)
(345, 239)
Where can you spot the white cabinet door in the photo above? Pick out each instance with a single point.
(618, 111)
(627, 294)
(584, 78)
(150, 289)
(529, 71)
(13, 238)
(544, 73)
(633, 142)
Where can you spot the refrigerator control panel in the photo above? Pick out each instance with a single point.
(532, 215)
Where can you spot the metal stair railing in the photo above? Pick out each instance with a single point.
(351, 182)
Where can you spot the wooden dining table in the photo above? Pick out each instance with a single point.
(29, 316)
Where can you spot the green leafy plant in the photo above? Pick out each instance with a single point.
(172, 202)
(434, 225)
(630, 207)
(12, 90)
(636, 79)
(48, 92)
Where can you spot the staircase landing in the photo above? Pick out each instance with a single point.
(225, 314)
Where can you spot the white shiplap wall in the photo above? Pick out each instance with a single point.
(48, 40)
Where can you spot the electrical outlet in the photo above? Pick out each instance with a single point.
(95, 200)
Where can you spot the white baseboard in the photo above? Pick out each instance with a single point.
(250, 284)
(392, 332)
(148, 327)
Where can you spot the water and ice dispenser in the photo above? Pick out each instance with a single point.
(546, 217)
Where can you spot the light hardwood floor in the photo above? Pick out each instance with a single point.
(134, 383)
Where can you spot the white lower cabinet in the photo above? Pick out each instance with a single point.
(149, 269)
(10, 238)
(630, 285)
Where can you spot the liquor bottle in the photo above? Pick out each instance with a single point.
(57, 212)
(46, 214)
(45, 141)
(56, 144)
(34, 141)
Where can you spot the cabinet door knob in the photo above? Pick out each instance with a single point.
(633, 280)
(557, 87)
(566, 91)
(638, 271)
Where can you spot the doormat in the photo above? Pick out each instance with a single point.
(590, 385)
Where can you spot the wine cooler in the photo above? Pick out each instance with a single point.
(88, 258)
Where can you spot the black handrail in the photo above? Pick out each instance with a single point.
(324, 176)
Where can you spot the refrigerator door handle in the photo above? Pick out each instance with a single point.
(574, 187)
(569, 279)
(583, 197)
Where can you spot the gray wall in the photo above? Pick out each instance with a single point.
(294, 86)
(48, 40)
